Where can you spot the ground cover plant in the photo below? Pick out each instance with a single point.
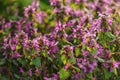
(61, 40)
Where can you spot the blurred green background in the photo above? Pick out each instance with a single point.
(13, 9)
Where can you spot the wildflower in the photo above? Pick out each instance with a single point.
(55, 76)
(30, 72)
(40, 16)
(35, 43)
(80, 65)
(21, 70)
(77, 1)
(116, 64)
(54, 49)
(36, 72)
(66, 66)
(5, 55)
(53, 2)
(16, 55)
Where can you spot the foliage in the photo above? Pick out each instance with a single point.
(59, 40)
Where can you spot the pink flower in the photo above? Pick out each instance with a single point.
(40, 16)
(21, 70)
(16, 55)
(80, 65)
(36, 72)
(66, 66)
(30, 72)
(53, 2)
(116, 64)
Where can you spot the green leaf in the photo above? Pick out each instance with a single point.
(66, 42)
(15, 63)
(2, 62)
(100, 59)
(64, 74)
(88, 48)
(76, 68)
(110, 35)
(24, 2)
(77, 51)
(44, 4)
(17, 76)
(115, 71)
(119, 19)
(94, 51)
(72, 60)
(22, 61)
(107, 74)
(18, 46)
(36, 61)
(64, 59)
(49, 58)
(3, 78)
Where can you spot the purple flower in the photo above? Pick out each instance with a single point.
(35, 43)
(56, 10)
(66, 66)
(68, 10)
(91, 67)
(13, 47)
(116, 30)
(68, 48)
(55, 76)
(85, 53)
(21, 70)
(31, 8)
(8, 25)
(5, 55)
(45, 78)
(116, 64)
(25, 43)
(85, 69)
(68, 1)
(77, 1)
(80, 65)
(16, 55)
(40, 16)
(54, 49)
(36, 72)
(5, 44)
(53, 2)
(30, 72)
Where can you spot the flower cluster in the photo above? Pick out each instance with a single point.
(75, 40)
